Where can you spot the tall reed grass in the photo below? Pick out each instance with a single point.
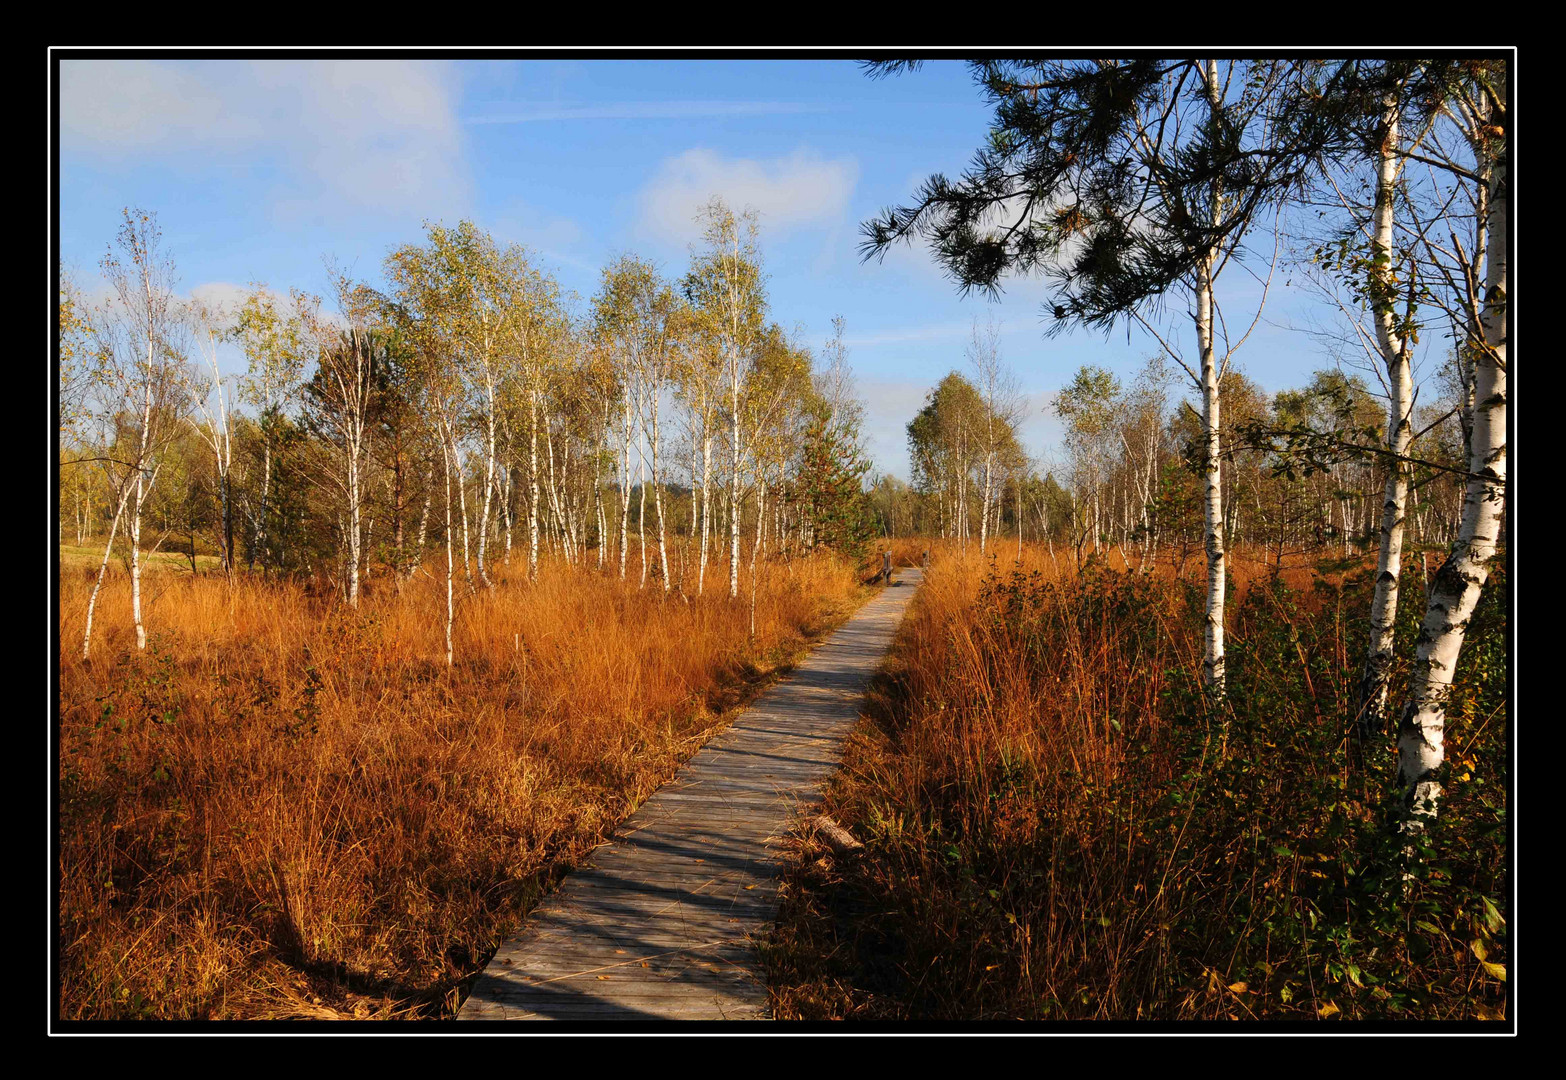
(285, 807)
(1057, 826)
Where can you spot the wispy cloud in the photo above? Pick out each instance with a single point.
(376, 135)
(224, 297)
(532, 113)
(940, 332)
(800, 189)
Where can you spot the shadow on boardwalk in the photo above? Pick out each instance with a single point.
(658, 923)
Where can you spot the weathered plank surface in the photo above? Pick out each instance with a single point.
(658, 922)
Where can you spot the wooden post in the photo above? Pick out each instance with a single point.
(886, 566)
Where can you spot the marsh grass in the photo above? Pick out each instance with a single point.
(287, 808)
(1056, 827)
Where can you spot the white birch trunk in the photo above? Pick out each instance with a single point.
(641, 517)
(135, 546)
(1212, 640)
(354, 535)
(462, 504)
(663, 547)
(446, 457)
(625, 484)
(734, 495)
(984, 518)
(761, 504)
(103, 566)
(489, 465)
(1394, 354)
(1455, 591)
(532, 508)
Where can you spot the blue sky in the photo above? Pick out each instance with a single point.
(259, 169)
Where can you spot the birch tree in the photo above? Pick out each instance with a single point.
(542, 330)
(1002, 410)
(339, 402)
(142, 384)
(75, 364)
(639, 313)
(416, 307)
(700, 388)
(215, 402)
(1380, 272)
(725, 284)
(477, 297)
(1088, 405)
(276, 350)
(1124, 181)
(942, 446)
(1481, 104)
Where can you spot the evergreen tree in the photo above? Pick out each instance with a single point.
(831, 486)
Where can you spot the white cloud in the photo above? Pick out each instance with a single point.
(527, 224)
(941, 332)
(530, 112)
(223, 296)
(119, 107)
(800, 189)
(378, 135)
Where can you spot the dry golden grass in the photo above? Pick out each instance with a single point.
(74, 559)
(288, 808)
(1056, 827)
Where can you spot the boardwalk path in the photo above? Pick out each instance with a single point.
(656, 923)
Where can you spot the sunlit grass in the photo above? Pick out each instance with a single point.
(288, 808)
(1057, 828)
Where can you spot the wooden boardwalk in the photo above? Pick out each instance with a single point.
(657, 923)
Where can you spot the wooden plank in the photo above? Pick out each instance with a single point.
(658, 923)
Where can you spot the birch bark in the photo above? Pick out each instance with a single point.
(103, 566)
(1455, 590)
(1394, 355)
(1213, 521)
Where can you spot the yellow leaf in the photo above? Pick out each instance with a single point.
(1329, 1009)
(1238, 988)
(1497, 971)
